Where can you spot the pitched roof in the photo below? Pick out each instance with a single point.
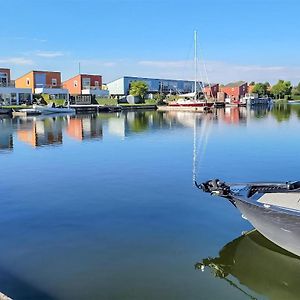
(235, 84)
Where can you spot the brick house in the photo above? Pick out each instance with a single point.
(235, 90)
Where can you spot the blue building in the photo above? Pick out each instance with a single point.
(121, 86)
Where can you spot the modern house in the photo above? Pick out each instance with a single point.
(43, 82)
(235, 90)
(9, 95)
(85, 84)
(121, 86)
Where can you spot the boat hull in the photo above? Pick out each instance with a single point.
(192, 104)
(280, 227)
(53, 110)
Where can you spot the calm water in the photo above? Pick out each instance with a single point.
(103, 207)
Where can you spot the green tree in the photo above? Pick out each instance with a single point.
(138, 89)
(296, 90)
(282, 89)
(260, 88)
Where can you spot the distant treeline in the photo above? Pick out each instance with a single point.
(281, 90)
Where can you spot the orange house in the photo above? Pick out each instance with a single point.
(4, 77)
(39, 79)
(81, 82)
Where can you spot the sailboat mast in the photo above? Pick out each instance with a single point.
(195, 61)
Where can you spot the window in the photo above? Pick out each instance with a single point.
(27, 81)
(54, 82)
(75, 83)
(96, 83)
(86, 83)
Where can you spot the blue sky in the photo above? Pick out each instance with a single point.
(247, 40)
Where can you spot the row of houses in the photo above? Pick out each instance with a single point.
(22, 89)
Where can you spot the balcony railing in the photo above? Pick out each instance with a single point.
(48, 86)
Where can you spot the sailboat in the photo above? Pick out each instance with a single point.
(192, 99)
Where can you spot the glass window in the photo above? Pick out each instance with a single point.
(86, 83)
(96, 83)
(27, 81)
(54, 81)
(75, 83)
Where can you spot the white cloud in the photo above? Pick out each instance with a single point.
(49, 54)
(218, 71)
(16, 61)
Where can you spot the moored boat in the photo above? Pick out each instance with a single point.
(272, 208)
(52, 109)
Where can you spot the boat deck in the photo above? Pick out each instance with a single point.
(283, 200)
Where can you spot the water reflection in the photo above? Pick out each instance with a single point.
(253, 262)
(52, 130)
(84, 127)
(6, 134)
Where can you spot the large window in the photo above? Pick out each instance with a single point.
(86, 83)
(24, 98)
(3, 79)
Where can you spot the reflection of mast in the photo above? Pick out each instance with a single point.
(203, 137)
(195, 61)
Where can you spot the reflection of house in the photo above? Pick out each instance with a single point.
(6, 134)
(233, 115)
(236, 90)
(121, 86)
(85, 84)
(41, 134)
(43, 82)
(9, 95)
(116, 126)
(84, 128)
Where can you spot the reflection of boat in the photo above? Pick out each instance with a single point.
(254, 262)
(272, 208)
(52, 109)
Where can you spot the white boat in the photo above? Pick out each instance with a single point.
(272, 208)
(50, 109)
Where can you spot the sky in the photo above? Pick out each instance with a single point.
(255, 40)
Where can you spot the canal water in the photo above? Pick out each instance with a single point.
(104, 207)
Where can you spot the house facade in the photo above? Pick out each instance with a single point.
(121, 86)
(235, 91)
(43, 82)
(9, 94)
(211, 91)
(85, 84)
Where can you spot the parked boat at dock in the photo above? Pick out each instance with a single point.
(52, 109)
(272, 208)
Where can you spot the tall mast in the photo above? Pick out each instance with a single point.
(195, 61)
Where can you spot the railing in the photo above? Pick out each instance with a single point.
(48, 86)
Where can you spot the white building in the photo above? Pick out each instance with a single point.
(121, 86)
(15, 96)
